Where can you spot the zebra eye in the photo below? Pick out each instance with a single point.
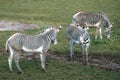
(83, 27)
(107, 32)
(77, 24)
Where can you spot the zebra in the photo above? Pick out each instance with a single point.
(78, 34)
(97, 19)
(39, 43)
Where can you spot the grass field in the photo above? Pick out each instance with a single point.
(59, 12)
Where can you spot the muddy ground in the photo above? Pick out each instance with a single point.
(108, 62)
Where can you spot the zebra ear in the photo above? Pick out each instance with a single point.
(59, 28)
(112, 25)
(77, 25)
(86, 28)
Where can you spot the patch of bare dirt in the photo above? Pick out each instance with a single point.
(15, 26)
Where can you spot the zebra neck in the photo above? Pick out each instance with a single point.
(49, 38)
(106, 22)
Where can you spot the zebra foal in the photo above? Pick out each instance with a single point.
(39, 43)
(94, 19)
(78, 34)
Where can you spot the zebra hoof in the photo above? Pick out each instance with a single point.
(20, 72)
(72, 58)
(85, 63)
(44, 70)
(11, 71)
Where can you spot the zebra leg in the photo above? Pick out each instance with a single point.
(86, 50)
(97, 30)
(83, 53)
(100, 33)
(42, 57)
(71, 49)
(16, 59)
(10, 58)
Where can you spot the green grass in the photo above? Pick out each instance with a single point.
(59, 12)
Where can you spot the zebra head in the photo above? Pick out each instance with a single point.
(83, 30)
(82, 26)
(108, 30)
(53, 34)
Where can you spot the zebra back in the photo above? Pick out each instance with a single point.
(19, 40)
(91, 19)
(75, 33)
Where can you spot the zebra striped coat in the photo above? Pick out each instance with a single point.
(78, 34)
(31, 43)
(94, 19)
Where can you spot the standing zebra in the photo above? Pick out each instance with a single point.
(39, 43)
(94, 19)
(76, 34)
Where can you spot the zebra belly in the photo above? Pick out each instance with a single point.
(33, 50)
(95, 24)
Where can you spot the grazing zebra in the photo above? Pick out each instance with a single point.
(94, 19)
(76, 34)
(39, 43)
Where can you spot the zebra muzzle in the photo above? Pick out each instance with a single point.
(81, 40)
(54, 42)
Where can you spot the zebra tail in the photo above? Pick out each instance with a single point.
(6, 48)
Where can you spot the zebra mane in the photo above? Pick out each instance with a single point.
(47, 30)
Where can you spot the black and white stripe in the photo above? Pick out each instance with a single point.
(79, 35)
(98, 20)
(39, 43)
